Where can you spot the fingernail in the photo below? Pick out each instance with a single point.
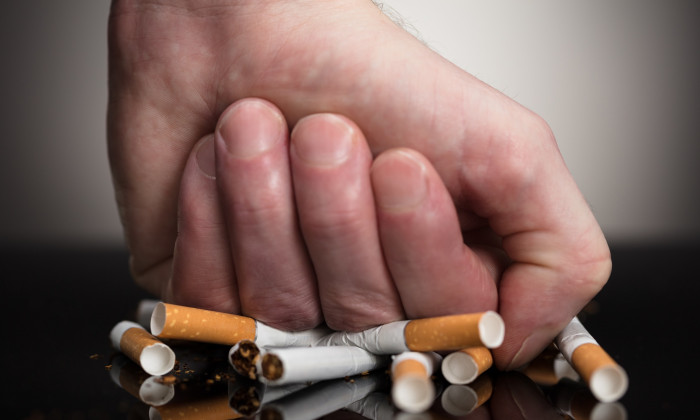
(325, 142)
(205, 157)
(399, 181)
(250, 128)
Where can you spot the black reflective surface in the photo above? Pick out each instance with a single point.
(60, 303)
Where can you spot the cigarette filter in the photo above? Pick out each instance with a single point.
(412, 388)
(309, 364)
(464, 366)
(455, 332)
(185, 323)
(446, 333)
(606, 379)
(460, 400)
(140, 346)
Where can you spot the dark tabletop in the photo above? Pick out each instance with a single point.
(59, 304)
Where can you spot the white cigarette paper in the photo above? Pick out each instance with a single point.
(385, 339)
(412, 388)
(606, 379)
(267, 336)
(140, 346)
(309, 364)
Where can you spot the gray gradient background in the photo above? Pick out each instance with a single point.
(618, 81)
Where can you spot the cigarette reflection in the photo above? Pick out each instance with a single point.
(130, 377)
(323, 398)
(248, 398)
(576, 400)
(460, 400)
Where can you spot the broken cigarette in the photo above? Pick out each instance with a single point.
(464, 366)
(186, 323)
(445, 333)
(139, 345)
(244, 356)
(310, 364)
(412, 388)
(606, 379)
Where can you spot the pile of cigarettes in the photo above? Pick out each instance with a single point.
(456, 348)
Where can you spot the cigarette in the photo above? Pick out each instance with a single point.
(244, 357)
(322, 398)
(464, 366)
(309, 364)
(445, 333)
(549, 367)
(460, 400)
(130, 377)
(412, 388)
(139, 345)
(192, 324)
(576, 401)
(606, 379)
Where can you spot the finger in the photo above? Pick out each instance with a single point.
(560, 257)
(330, 167)
(435, 273)
(202, 274)
(275, 278)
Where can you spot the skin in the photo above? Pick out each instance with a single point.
(501, 223)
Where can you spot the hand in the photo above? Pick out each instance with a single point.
(175, 67)
(380, 239)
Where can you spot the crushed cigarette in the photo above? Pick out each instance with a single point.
(606, 379)
(445, 333)
(310, 364)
